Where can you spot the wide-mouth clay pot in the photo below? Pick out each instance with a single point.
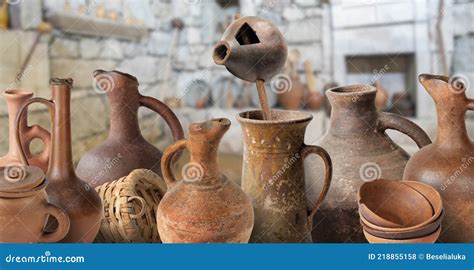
(26, 208)
(427, 239)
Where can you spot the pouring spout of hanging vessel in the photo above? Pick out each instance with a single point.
(252, 49)
(225, 213)
(448, 163)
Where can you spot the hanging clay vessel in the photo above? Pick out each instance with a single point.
(79, 200)
(361, 151)
(25, 207)
(15, 99)
(205, 207)
(273, 175)
(252, 49)
(448, 163)
(125, 149)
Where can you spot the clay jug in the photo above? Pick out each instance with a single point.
(251, 48)
(448, 163)
(125, 149)
(205, 207)
(79, 200)
(25, 207)
(361, 151)
(290, 89)
(15, 99)
(273, 175)
(382, 96)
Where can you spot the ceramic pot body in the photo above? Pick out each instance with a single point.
(27, 211)
(292, 99)
(79, 200)
(314, 101)
(273, 175)
(251, 48)
(125, 149)
(361, 151)
(205, 207)
(15, 99)
(448, 163)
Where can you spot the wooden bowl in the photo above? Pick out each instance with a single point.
(395, 202)
(400, 235)
(427, 239)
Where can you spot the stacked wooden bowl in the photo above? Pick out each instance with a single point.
(400, 212)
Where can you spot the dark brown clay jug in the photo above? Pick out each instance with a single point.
(205, 207)
(273, 175)
(251, 48)
(25, 207)
(448, 163)
(125, 145)
(15, 99)
(361, 151)
(79, 200)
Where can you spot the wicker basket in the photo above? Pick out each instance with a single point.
(130, 205)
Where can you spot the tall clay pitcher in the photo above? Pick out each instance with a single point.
(15, 99)
(273, 175)
(125, 149)
(448, 163)
(66, 190)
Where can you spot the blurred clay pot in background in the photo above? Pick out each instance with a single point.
(251, 48)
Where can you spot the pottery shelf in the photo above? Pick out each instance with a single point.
(85, 25)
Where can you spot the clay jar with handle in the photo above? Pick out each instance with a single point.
(15, 99)
(205, 207)
(125, 149)
(79, 200)
(273, 175)
(25, 207)
(361, 151)
(448, 163)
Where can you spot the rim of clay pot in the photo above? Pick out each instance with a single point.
(17, 93)
(426, 76)
(429, 228)
(61, 81)
(351, 90)
(430, 238)
(98, 72)
(277, 116)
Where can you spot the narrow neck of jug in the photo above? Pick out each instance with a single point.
(15, 99)
(61, 163)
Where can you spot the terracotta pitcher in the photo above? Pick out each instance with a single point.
(273, 175)
(361, 151)
(205, 207)
(125, 147)
(25, 207)
(15, 99)
(448, 163)
(79, 200)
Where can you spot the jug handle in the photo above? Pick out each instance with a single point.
(63, 225)
(166, 113)
(396, 122)
(43, 134)
(312, 149)
(166, 162)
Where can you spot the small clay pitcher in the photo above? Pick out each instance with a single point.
(205, 207)
(273, 175)
(448, 163)
(25, 207)
(79, 200)
(15, 99)
(251, 48)
(125, 147)
(361, 151)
